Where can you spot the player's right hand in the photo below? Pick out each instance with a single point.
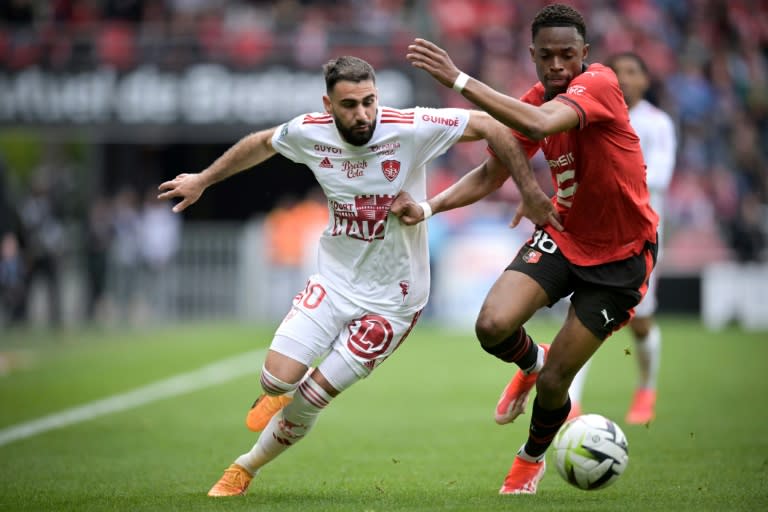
(538, 210)
(188, 187)
(406, 209)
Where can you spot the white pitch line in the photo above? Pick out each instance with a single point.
(209, 375)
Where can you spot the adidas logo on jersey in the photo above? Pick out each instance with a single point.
(326, 163)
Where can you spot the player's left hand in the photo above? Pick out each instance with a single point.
(406, 209)
(434, 60)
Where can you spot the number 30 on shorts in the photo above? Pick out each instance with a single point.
(311, 296)
(543, 242)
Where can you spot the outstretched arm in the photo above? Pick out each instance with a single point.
(509, 159)
(249, 151)
(535, 122)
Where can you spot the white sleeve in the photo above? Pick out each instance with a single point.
(287, 139)
(659, 149)
(437, 130)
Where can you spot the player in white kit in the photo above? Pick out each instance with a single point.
(373, 271)
(658, 141)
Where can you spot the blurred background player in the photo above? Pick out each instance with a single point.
(659, 144)
(373, 272)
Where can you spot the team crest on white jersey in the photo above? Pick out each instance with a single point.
(390, 168)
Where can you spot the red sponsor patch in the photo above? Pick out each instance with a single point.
(531, 256)
(390, 168)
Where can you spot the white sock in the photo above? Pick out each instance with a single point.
(521, 453)
(287, 427)
(648, 357)
(577, 386)
(539, 364)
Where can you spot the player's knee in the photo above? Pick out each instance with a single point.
(490, 330)
(641, 326)
(273, 385)
(324, 383)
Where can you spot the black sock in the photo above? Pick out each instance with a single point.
(518, 348)
(544, 425)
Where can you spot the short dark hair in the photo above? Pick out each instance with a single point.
(611, 61)
(559, 15)
(347, 68)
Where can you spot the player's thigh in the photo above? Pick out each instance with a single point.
(368, 339)
(605, 295)
(510, 302)
(309, 330)
(535, 278)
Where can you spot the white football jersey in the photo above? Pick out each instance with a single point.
(658, 142)
(366, 253)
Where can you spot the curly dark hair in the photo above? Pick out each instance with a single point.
(347, 68)
(559, 15)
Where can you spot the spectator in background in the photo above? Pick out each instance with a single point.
(159, 240)
(12, 284)
(99, 236)
(43, 246)
(125, 254)
(748, 236)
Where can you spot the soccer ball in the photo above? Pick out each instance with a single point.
(591, 452)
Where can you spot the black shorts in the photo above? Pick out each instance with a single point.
(603, 295)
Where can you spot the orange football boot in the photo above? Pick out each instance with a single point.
(234, 482)
(512, 402)
(642, 409)
(263, 409)
(523, 477)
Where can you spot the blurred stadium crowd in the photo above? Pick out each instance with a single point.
(709, 60)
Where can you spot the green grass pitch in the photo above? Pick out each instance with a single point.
(418, 435)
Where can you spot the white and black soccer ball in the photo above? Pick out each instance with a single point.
(591, 452)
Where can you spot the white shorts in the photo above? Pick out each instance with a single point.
(321, 321)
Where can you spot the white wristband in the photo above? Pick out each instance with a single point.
(427, 209)
(461, 82)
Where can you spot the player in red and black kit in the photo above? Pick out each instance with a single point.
(595, 239)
